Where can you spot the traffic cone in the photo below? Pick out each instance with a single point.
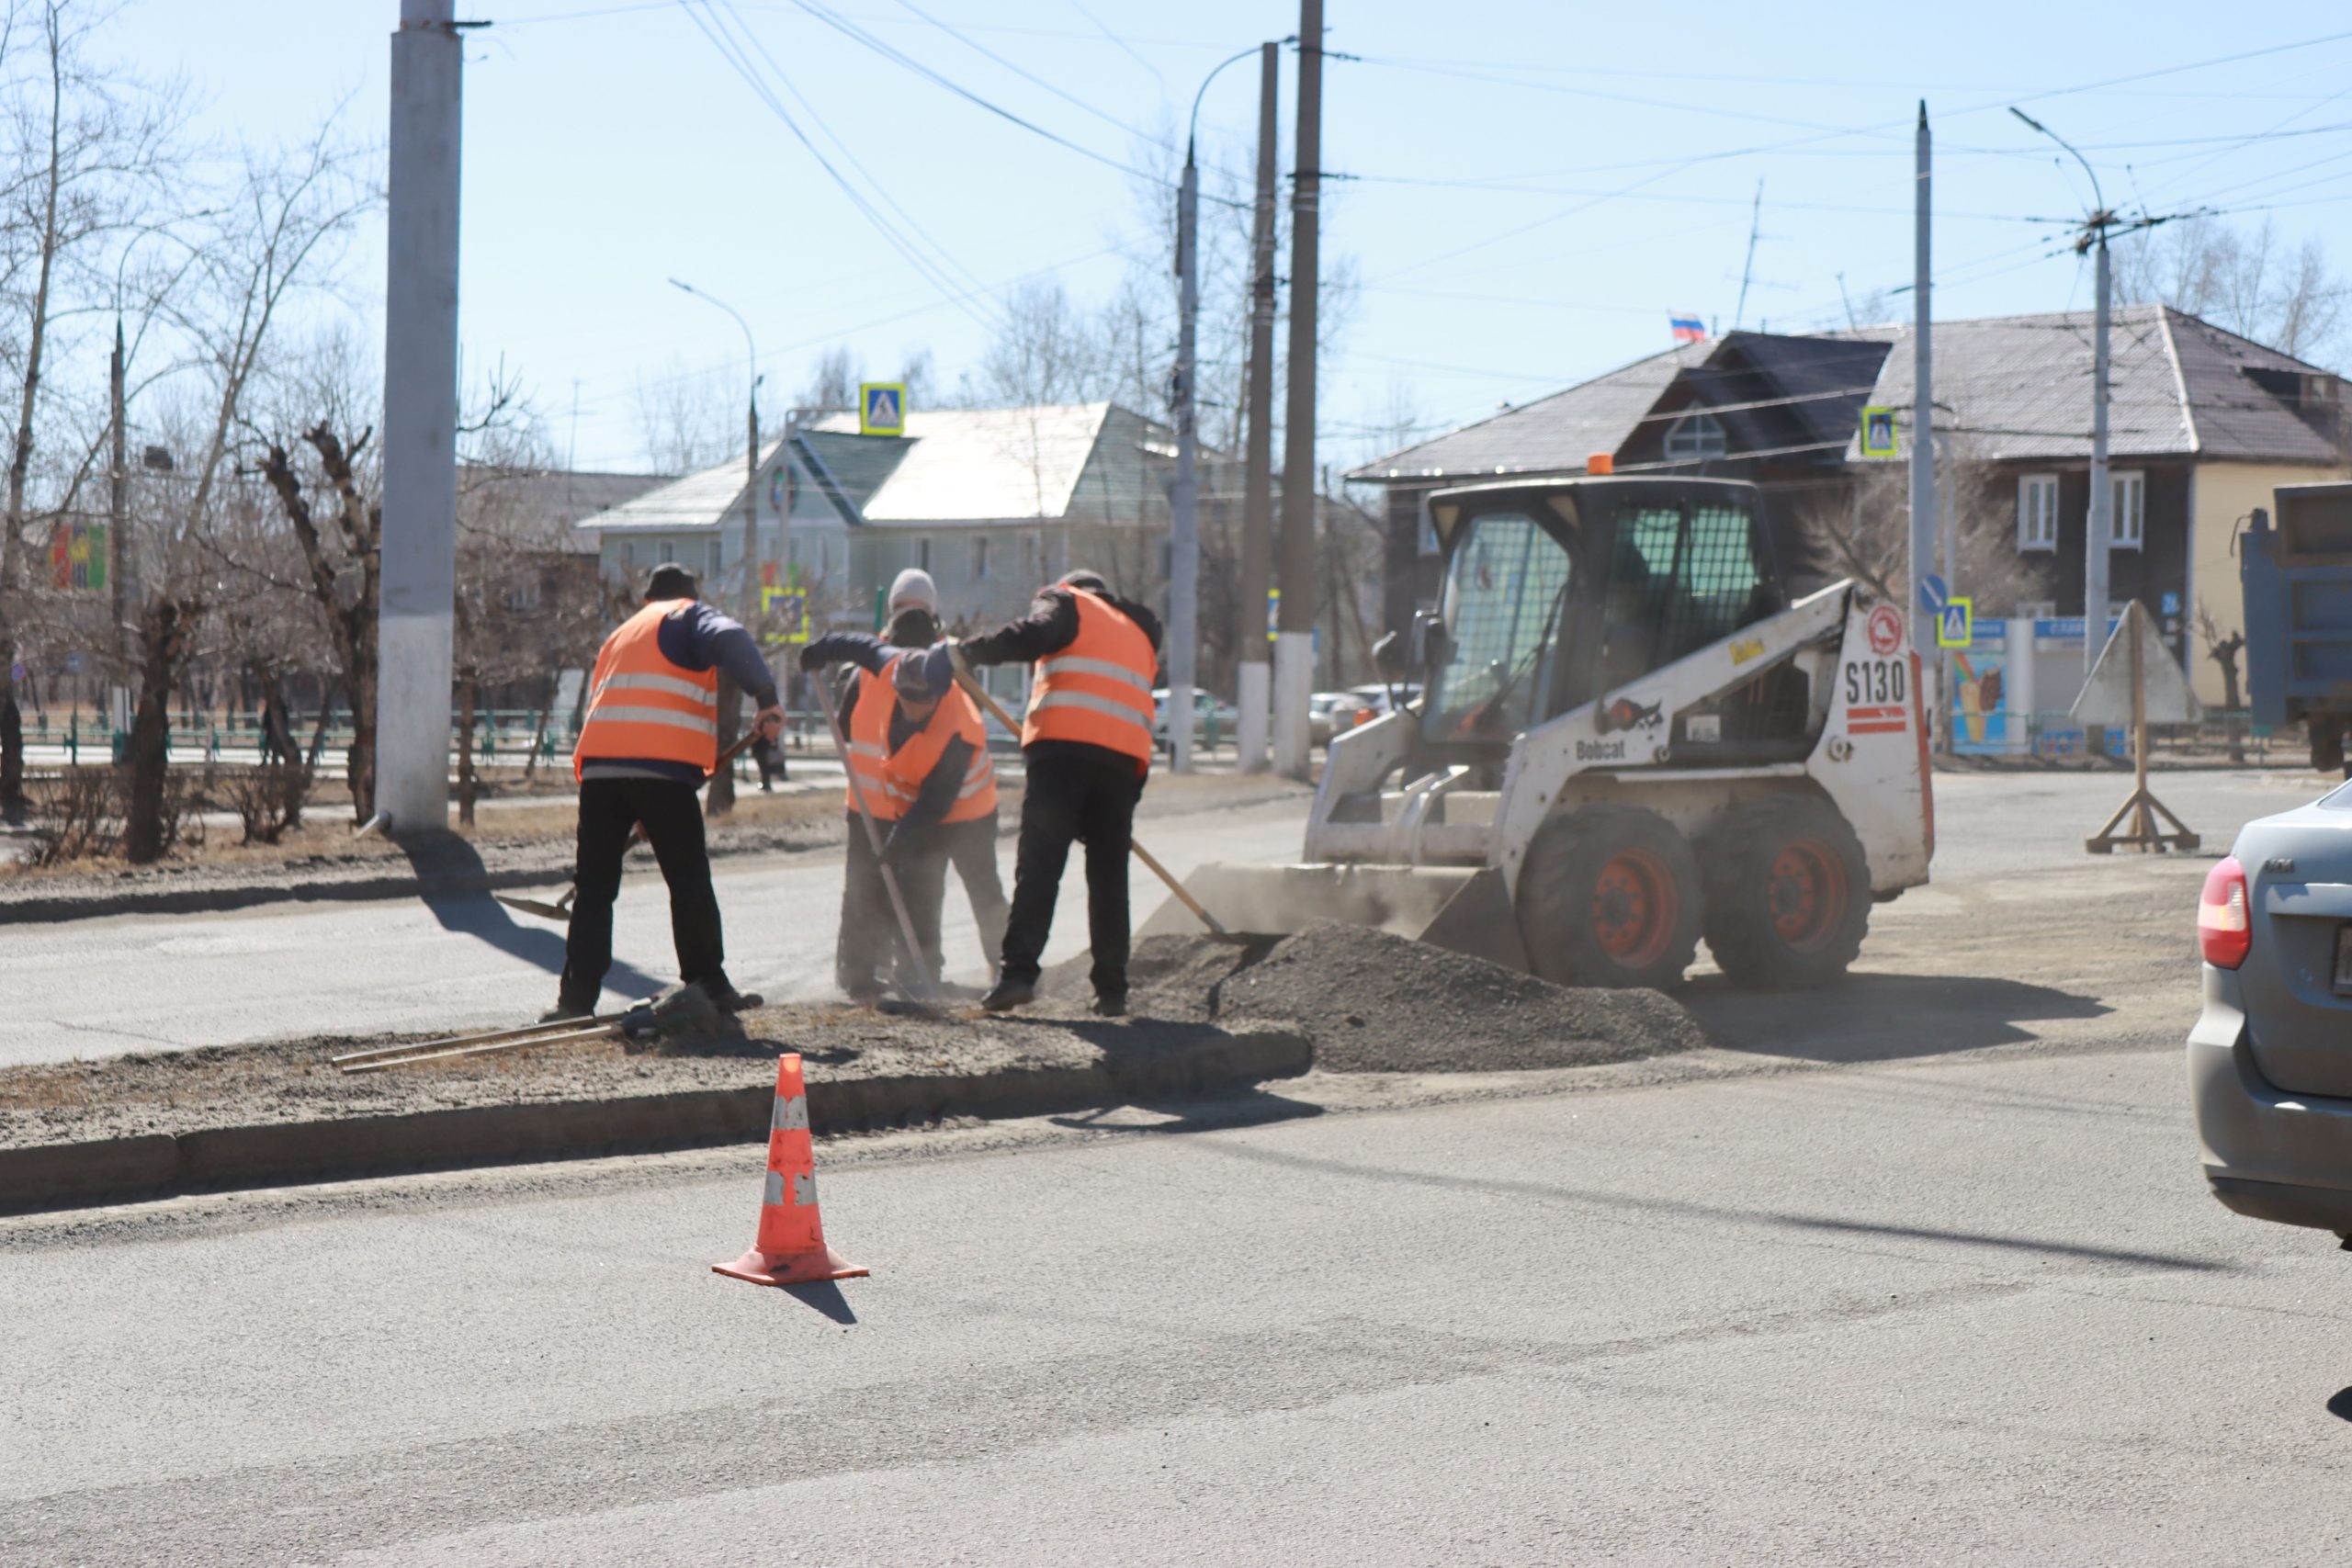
(790, 1248)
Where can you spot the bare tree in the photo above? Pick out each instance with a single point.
(688, 420)
(833, 383)
(2252, 281)
(1864, 531)
(88, 151)
(2223, 651)
(282, 233)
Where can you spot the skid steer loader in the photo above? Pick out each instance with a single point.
(1631, 736)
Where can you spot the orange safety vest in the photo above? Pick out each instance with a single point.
(892, 780)
(1098, 689)
(641, 706)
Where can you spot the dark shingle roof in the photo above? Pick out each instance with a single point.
(2020, 387)
(1552, 434)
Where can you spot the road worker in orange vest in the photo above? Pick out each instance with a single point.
(649, 741)
(971, 845)
(921, 759)
(1087, 740)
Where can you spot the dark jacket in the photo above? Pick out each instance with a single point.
(700, 640)
(1050, 626)
(945, 781)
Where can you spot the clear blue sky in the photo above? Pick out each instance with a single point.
(609, 145)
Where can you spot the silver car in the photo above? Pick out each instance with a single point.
(2270, 1058)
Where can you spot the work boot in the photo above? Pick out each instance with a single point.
(1010, 994)
(727, 999)
(565, 1011)
(1110, 1004)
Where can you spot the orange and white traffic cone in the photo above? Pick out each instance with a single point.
(790, 1248)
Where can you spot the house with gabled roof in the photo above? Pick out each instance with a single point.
(2203, 424)
(990, 502)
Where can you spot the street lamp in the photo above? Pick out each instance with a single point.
(1184, 495)
(722, 784)
(2102, 515)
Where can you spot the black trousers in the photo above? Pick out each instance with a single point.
(672, 812)
(972, 850)
(1086, 794)
(867, 950)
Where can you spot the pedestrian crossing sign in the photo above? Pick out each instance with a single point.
(881, 408)
(1956, 624)
(1878, 433)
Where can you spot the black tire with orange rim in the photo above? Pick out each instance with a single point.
(1788, 893)
(1610, 895)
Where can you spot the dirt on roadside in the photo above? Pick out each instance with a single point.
(181, 1091)
(1373, 1002)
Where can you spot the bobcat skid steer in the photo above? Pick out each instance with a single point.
(1632, 735)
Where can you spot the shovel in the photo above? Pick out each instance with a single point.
(561, 908)
(873, 843)
(996, 709)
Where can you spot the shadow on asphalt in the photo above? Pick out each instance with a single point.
(1875, 1018)
(1766, 1219)
(479, 916)
(1242, 1108)
(826, 1297)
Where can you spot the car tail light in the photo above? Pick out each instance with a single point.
(2225, 931)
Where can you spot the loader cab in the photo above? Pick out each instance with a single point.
(1559, 592)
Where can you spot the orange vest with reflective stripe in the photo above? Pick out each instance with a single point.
(892, 780)
(642, 706)
(1098, 689)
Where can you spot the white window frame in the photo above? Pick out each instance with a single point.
(2134, 483)
(1706, 432)
(2037, 525)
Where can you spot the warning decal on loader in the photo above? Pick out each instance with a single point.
(1889, 719)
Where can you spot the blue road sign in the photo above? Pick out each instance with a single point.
(2172, 603)
(1933, 593)
(1955, 623)
(881, 408)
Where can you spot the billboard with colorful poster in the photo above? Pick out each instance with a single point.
(77, 557)
(1982, 722)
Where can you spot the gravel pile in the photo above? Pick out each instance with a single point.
(1377, 1003)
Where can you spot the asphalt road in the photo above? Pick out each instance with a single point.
(1970, 1309)
(168, 982)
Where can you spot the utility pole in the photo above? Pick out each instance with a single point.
(2099, 536)
(719, 798)
(1923, 403)
(1294, 633)
(118, 522)
(419, 569)
(1258, 492)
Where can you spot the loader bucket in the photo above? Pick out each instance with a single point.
(1464, 908)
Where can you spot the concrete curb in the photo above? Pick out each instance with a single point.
(64, 1176)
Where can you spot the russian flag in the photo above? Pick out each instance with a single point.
(1688, 329)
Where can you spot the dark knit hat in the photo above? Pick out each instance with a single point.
(671, 580)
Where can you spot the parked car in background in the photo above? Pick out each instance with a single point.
(1206, 710)
(1332, 713)
(1375, 696)
(2270, 1057)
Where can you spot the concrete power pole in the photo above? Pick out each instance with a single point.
(413, 637)
(2100, 533)
(1294, 633)
(1258, 494)
(118, 523)
(1923, 406)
